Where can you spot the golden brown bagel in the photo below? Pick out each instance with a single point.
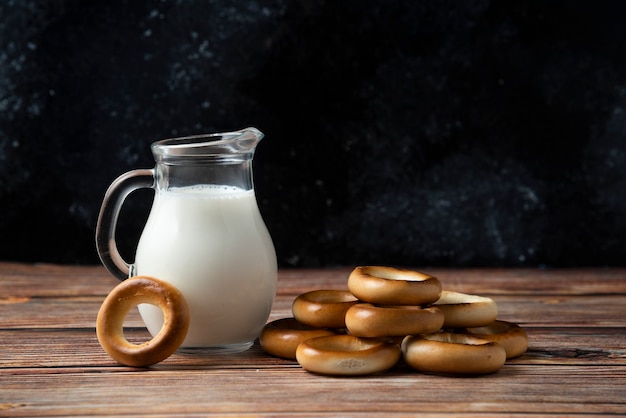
(323, 308)
(509, 335)
(347, 355)
(449, 353)
(281, 337)
(465, 311)
(393, 286)
(367, 320)
(128, 294)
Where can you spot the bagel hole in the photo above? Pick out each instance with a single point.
(400, 275)
(134, 328)
(456, 298)
(349, 344)
(448, 337)
(137, 336)
(491, 329)
(402, 307)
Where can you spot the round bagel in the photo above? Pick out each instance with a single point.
(367, 320)
(347, 355)
(509, 335)
(281, 337)
(128, 294)
(323, 308)
(466, 311)
(454, 354)
(393, 286)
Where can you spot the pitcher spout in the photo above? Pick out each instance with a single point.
(236, 144)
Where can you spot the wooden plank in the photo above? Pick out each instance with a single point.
(582, 346)
(17, 280)
(516, 389)
(51, 312)
(78, 349)
(486, 281)
(51, 362)
(527, 310)
(44, 280)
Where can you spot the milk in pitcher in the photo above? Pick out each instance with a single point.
(212, 244)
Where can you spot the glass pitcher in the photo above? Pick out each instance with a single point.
(204, 235)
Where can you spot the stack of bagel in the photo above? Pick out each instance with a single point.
(387, 314)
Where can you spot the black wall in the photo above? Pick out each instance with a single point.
(449, 133)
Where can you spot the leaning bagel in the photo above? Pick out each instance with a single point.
(367, 320)
(281, 337)
(347, 355)
(323, 308)
(466, 311)
(509, 335)
(393, 286)
(455, 354)
(128, 294)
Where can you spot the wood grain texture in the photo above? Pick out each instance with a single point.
(52, 364)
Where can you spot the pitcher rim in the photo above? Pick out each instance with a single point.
(243, 141)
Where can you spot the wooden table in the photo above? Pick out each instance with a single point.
(51, 362)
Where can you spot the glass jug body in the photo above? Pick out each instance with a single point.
(205, 235)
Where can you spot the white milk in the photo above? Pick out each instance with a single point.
(212, 244)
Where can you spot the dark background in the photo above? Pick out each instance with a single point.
(444, 133)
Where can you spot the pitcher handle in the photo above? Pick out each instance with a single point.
(109, 212)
